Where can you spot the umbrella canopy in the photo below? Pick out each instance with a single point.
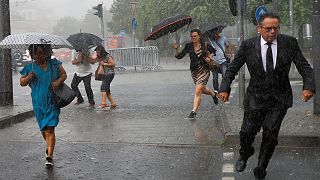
(23, 40)
(168, 25)
(209, 29)
(84, 40)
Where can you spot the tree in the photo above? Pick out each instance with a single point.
(302, 11)
(121, 18)
(66, 26)
(149, 12)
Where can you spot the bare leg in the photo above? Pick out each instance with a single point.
(197, 96)
(50, 140)
(110, 98)
(103, 97)
(208, 91)
(43, 135)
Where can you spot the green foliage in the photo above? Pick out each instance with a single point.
(149, 12)
(121, 19)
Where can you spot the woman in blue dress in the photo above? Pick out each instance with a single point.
(43, 76)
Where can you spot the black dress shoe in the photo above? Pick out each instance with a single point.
(260, 173)
(241, 164)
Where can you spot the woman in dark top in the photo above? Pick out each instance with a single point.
(200, 53)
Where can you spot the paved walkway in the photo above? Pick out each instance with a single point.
(300, 127)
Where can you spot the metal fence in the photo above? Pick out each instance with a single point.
(145, 58)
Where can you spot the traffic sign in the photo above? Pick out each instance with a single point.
(134, 23)
(261, 10)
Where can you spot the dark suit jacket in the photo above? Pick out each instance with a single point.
(262, 89)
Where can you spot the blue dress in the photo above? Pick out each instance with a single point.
(41, 93)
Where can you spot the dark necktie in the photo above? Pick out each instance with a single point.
(269, 60)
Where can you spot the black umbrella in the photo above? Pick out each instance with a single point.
(209, 29)
(168, 25)
(84, 40)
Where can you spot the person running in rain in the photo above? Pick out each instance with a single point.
(221, 44)
(44, 76)
(108, 63)
(199, 55)
(269, 94)
(83, 62)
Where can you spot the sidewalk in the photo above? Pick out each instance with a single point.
(299, 128)
(14, 114)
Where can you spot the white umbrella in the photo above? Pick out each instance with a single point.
(23, 40)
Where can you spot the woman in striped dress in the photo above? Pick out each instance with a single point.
(199, 53)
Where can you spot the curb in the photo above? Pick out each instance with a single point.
(15, 118)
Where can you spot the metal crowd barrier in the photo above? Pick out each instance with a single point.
(146, 58)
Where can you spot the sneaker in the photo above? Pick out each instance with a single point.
(192, 115)
(215, 98)
(49, 162)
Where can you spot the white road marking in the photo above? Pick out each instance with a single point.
(228, 168)
(228, 156)
(227, 178)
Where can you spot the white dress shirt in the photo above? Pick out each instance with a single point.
(264, 48)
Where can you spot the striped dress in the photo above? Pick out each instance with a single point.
(199, 69)
(201, 73)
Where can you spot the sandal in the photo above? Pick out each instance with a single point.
(101, 106)
(113, 106)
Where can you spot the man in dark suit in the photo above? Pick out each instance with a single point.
(269, 94)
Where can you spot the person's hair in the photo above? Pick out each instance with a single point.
(268, 15)
(197, 31)
(103, 52)
(85, 52)
(47, 49)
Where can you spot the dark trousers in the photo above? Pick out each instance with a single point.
(215, 75)
(270, 120)
(87, 85)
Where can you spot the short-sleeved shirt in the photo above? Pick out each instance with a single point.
(83, 68)
(223, 41)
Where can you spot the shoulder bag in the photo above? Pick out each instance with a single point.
(63, 96)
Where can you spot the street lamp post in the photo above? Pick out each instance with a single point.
(291, 17)
(316, 53)
(6, 88)
(242, 9)
(99, 13)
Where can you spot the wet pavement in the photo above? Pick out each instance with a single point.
(148, 136)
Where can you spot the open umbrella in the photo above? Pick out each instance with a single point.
(209, 29)
(168, 25)
(84, 40)
(23, 40)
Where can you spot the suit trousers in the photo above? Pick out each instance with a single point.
(270, 120)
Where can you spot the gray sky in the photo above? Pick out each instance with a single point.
(42, 15)
(60, 8)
